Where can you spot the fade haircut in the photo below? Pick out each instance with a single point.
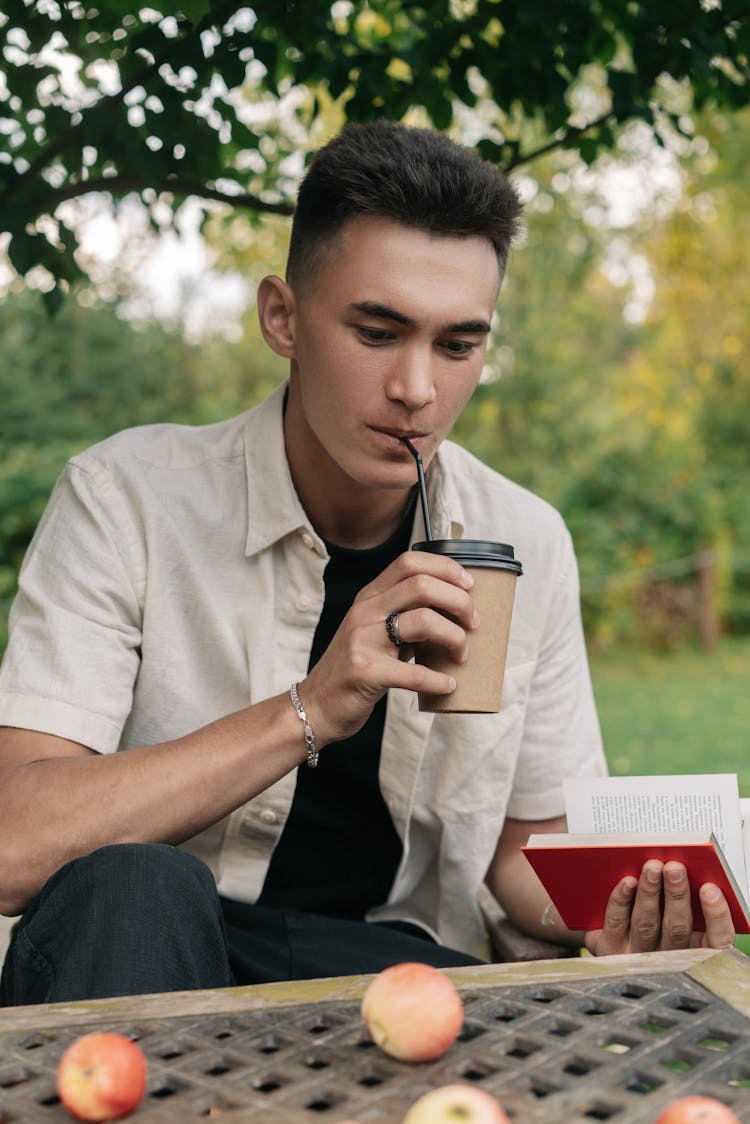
(417, 177)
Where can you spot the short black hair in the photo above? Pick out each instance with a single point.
(417, 177)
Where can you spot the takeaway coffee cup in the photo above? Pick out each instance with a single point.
(479, 681)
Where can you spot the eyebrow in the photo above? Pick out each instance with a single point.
(385, 312)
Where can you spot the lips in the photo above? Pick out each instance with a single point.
(399, 434)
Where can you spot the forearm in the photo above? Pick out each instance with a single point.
(66, 801)
(529, 908)
(516, 887)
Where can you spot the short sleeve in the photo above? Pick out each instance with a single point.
(75, 624)
(561, 735)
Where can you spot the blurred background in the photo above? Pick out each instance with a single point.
(148, 164)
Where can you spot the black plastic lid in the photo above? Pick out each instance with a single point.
(474, 552)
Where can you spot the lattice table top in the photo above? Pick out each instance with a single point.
(557, 1041)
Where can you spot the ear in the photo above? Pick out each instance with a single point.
(276, 314)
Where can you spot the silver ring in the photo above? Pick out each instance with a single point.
(391, 627)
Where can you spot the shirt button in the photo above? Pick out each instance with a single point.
(308, 540)
(268, 815)
(303, 604)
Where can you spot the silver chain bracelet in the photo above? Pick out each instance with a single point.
(312, 752)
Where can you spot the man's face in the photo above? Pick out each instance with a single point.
(389, 342)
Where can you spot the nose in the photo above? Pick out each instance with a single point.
(411, 380)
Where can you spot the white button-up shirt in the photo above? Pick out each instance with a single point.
(175, 578)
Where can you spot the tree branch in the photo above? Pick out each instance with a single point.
(120, 185)
(569, 135)
(245, 200)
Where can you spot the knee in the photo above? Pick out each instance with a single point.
(129, 876)
(129, 864)
(125, 919)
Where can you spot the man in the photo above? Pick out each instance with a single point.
(212, 604)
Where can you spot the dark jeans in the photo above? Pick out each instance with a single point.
(136, 918)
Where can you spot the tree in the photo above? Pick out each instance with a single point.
(215, 100)
(691, 385)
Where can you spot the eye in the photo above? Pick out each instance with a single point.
(375, 335)
(458, 348)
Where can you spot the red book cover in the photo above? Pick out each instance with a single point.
(579, 872)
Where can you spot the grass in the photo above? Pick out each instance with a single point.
(680, 712)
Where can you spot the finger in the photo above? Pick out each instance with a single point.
(425, 591)
(614, 936)
(415, 562)
(419, 626)
(720, 931)
(426, 611)
(424, 680)
(645, 926)
(677, 918)
(592, 941)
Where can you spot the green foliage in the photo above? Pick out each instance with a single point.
(86, 373)
(203, 100)
(554, 418)
(638, 431)
(692, 386)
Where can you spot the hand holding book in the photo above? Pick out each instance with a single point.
(648, 890)
(659, 916)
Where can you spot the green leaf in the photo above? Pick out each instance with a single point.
(441, 112)
(26, 250)
(623, 85)
(588, 148)
(53, 299)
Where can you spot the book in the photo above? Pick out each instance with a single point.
(617, 823)
(581, 869)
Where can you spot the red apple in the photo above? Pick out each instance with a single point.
(413, 1012)
(101, 1076)
(697, 1110)
(464, 1103)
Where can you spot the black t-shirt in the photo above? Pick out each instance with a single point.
(339, 850)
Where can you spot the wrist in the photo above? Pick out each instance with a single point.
(308, 732)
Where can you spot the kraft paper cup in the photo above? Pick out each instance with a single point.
(479, 681)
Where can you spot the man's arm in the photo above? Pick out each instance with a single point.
(60, 800)
(514, 883)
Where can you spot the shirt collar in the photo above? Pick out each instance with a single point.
(273, 506)
(446, 509)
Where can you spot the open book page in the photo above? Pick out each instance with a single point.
(700, 802)
(745, 814)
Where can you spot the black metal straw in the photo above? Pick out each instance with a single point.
(422, 489)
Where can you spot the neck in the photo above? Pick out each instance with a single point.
(344, 509)
(357, 521)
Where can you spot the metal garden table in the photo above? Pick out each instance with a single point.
(579, 1040)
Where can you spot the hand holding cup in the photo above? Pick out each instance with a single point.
(431, 593)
